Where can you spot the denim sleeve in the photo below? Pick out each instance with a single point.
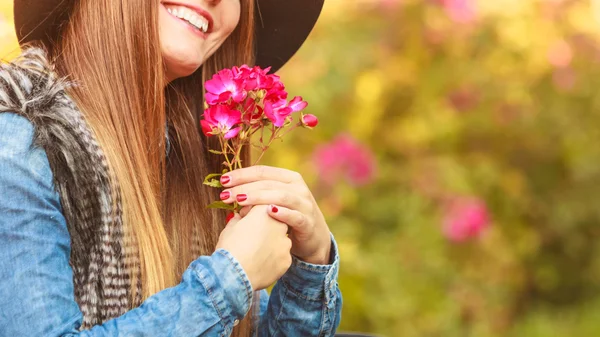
(36, 287)
(306, 301)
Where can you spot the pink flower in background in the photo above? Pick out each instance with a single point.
(463, 99)
(560, 54)
(465, 219)
(221, 119)
(345, 158)
(461, 11)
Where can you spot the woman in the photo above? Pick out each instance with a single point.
(104, 229)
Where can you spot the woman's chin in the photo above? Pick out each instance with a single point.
(181, 70)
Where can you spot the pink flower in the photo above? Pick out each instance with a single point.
(309, 121)
(252, 113)
(278, 113)
(275, 89)
(465, 219)
(297, 104)
(223, 86)
(255, 78)
(560, 54)
(345, 158)
(463, 99)
(461, 11)
(220, 119)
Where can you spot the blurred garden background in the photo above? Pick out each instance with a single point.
(457, 160)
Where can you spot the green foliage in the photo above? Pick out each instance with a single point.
(452, 110)
(221, 205)
(211, 181)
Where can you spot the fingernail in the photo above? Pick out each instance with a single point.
(229, 217)
(241, 197)
(274, 209)
(225, 180)
(225, 195)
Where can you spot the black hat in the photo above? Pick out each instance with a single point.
(281, 25)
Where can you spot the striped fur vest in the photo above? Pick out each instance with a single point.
(29, 87)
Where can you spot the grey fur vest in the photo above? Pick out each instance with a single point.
(92, 209)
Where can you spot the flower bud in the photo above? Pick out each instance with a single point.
(243, 134)
(261, 93)
(309, 121)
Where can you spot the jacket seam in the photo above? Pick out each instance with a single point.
(212, 300)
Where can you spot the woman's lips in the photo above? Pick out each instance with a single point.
(188, 26)
(196, 9)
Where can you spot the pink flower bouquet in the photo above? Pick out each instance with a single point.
(243, 102)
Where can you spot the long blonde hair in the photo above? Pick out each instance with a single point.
(111, 48)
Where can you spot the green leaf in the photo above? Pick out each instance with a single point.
(221, 205)
(215, 151)
(211, 181)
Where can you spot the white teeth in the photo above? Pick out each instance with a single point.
(191, 17)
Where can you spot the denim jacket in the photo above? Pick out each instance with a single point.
(36, 287)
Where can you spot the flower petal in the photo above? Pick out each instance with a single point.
(206, 128)
(233, 118)
(215, 85)
(233, 132)
(297, 104)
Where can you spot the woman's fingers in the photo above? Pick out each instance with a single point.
(258, 173)
(296, 220)
(229, 195)
(245, 210)
(284, 198)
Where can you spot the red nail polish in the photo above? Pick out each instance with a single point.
(224, 195)
(225, 180)
(241, 197)
(229, 217)
(274, 209)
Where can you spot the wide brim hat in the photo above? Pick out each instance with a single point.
(282, 26)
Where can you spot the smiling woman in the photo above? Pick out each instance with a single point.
(105, 227)
(190, 34)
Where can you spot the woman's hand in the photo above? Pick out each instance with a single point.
(260, 244)
(291, 202)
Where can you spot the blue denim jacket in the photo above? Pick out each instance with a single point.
(36, 287)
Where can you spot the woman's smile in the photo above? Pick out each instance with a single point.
(193, 17)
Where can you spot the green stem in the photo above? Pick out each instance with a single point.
(265, 148)
(224, 146)
(290, 129)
